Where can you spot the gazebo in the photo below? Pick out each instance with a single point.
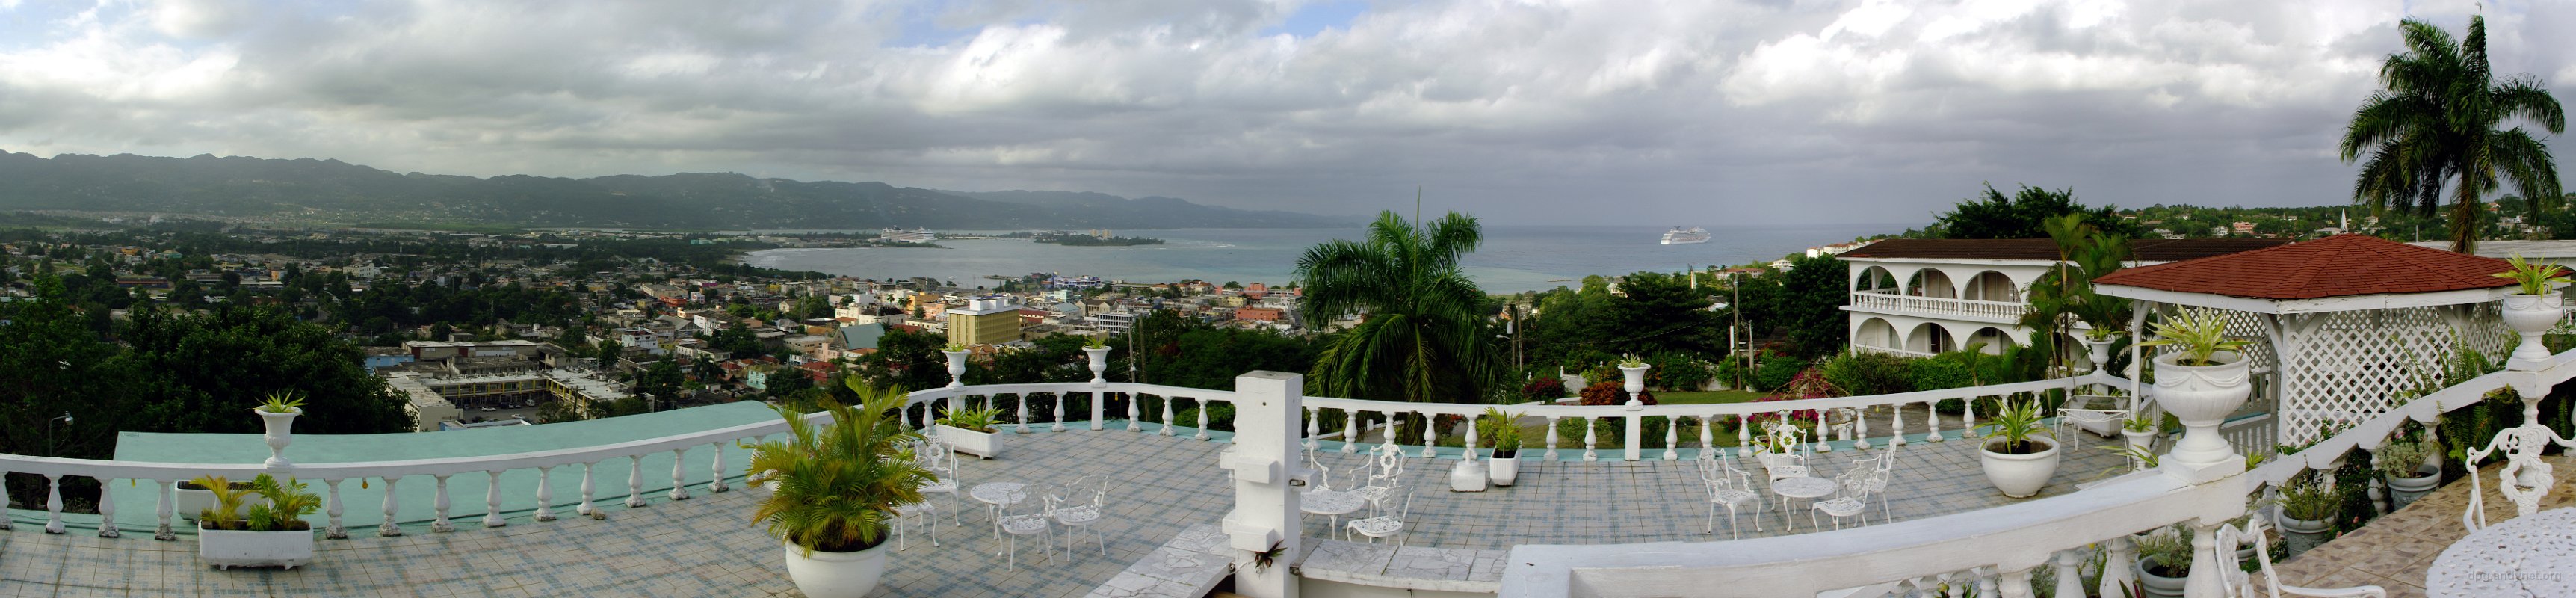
(2344, 328)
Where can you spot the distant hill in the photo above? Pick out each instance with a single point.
(338, 192)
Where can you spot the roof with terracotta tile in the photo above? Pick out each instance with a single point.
(2152, 250)
(2336, 266)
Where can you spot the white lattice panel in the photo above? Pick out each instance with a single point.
(2346, 367)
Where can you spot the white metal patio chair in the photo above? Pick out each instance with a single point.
(928, 514)
(1854, 501)
(1031, 521)
(1785, 454)
(1064, 505)
(2236, 583)
(1731, 488)
(1385, 478)
(1884, 465)
(941, 462)
(1384, 526)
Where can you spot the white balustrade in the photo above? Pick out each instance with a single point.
(1938, 306)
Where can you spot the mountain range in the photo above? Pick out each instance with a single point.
(331, 191)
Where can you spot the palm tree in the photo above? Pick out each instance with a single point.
(1424, 334)
(2437, 119)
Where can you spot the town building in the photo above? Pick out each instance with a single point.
(986, 320)
(1918, 297)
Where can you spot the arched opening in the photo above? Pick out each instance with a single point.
(1874, 279)
(1990, 286)
(1875, 332)
(1932, 283)
(1989, 340)
(1929, 338)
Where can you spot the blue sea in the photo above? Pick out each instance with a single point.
(1512, 259)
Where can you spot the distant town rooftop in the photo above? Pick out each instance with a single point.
(2150, 250)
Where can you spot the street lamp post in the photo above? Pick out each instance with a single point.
(66, 418)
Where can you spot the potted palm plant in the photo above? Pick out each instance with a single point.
(2164, 560)
(2532, 309)
(956, 353)
(970, 431)
(2020, 451)
(1503, 432)
(2199, 383)
(272, 533)
(1096, 351)
(277, 413)
(838, 485)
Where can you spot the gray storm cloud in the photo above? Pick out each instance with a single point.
(1522, 111)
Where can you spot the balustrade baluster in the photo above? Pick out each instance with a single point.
(1314, 417)
(1707, 438)
(2117, 566)
(1430, 433)
(1350, 431)
(1589, 454)
(162, 509)
(1672, 437)
(4, 500)
(545, 494)
(1471, 439)
(679, 486)
(1551, 438)
(2016, 584)
(1167, 416)
(1967, 418)
(1958, 584)
(1019, 411)
(332, 508)
(106, 509)
(388, 528)
(1059, 414)
(2070, 577)
(1860, 428)
(1132, 426)
(585, 509)
(1204, 408)
(635, 482)
(1743, 434)
(54, 503)
(439, 503)
(1986, 584)
(492, 500)
(715, 472)
(1823, 440)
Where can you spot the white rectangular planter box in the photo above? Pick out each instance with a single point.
(189, 501)
(227, 549)
(980, 444)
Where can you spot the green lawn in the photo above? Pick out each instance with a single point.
(1705, 398)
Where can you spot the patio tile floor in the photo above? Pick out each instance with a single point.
(706, 545)
(2396, 549)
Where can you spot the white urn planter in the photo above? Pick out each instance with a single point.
(1099, 358)
(1468, 476)
(2019, 476)
(2531, 316)
(2098, 352)
(280, 432)
(1636, 383)
(2201, 397)
(1504, 470)
(956, 367)
(981, 444)
(2140, 442)
(226, 549)
(822, 574)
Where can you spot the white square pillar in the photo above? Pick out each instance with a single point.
(1266, 515)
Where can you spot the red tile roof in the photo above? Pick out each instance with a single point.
(2152, 250)
(2335, 266)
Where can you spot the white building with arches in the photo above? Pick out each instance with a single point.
(1918, 297)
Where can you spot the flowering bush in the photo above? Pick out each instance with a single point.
(1545, 388)
(1611, 393)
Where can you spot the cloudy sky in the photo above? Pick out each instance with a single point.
(1717, 112)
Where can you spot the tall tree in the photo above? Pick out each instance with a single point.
(1424, 335)
(2435, 119)
(2018, 216)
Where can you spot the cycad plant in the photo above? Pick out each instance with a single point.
(839, 483)
(2201, 333)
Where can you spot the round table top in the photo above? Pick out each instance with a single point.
(1809, 487)
(998, 493)
(1330, 502)
(2524, 556)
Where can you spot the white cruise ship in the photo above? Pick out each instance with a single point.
(1685, 236)
(898, 235)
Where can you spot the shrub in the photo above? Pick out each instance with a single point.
(1677, 371)
(1612, 393)
(1938, 374)
(1545, 388)
(1776, 372)
(1870, 374)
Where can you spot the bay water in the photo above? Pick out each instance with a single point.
(1512, 258)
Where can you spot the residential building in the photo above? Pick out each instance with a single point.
(1925, 296)
(986, 320)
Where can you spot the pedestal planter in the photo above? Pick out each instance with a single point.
(226, 549)
(1467, 476)
(2532, 315)
(981, 444)
(280, 432)
(2142, 442)
(823, 574)
(2019, 476)
(1636, 382)
(2099, 351)
(2157, 585)
(1504, 470)
(2202, 397)
(2299, 535)
(1099, 358)
(956, 368)
(2405, 490)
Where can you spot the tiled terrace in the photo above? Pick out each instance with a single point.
(2396, 549)
(705, 546)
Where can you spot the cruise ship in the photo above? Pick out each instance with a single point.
(918, 235)
(1685, 236)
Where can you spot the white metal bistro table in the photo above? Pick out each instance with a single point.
(2533, 555)
(1801, 487)
(996, 495)
(1330, 503)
